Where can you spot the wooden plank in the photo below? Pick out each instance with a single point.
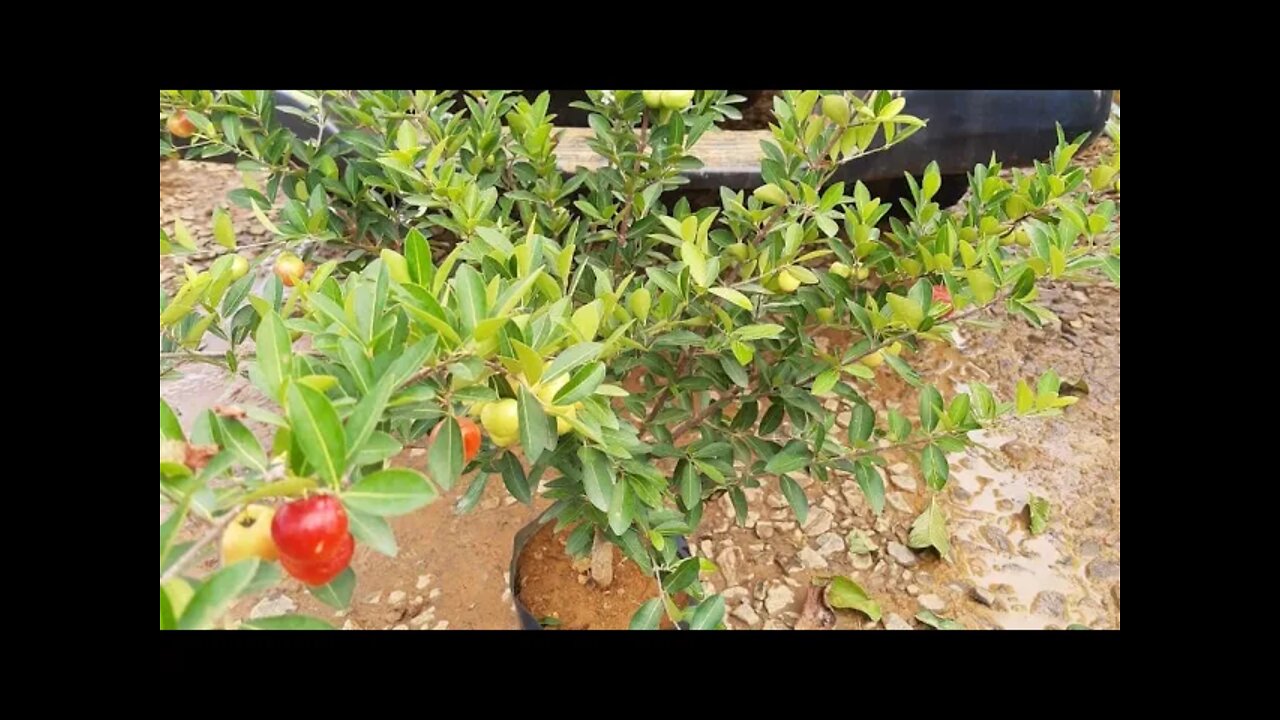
(721, 151)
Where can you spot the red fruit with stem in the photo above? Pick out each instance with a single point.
(310, 530)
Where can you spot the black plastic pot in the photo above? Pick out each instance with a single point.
(527, 620)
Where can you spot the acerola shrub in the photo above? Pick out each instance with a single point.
(644, 357)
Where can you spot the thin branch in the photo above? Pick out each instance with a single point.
(195, 549)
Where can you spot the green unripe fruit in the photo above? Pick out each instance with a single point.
(239, 266)
(639, 303)
(652, 98)
(840, 269)
(676, 99)
(826, 314)
(787, 282)
(738, 251)
(836, 109)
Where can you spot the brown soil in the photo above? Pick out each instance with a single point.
(552, 586)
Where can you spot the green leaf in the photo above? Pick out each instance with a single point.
(514, 478)
(586, 320)
(648, 616)
(337, 594)
(735, 372)
(273, 351)
(390, 492)
(444, 457)
(708, 614)
(237, 438)
(733, 296)
(169, 531)
(930, 530)
(472, 302)
(758, 332)
(792, 457)
(535, 432)
(846, 594)
(286, 622)
(826, 380)
(571, 358)
(899, 426)
(983, 400)
(862, 421)
(795, 497)
(182, 235)
(904, 370)
(1026, 398)
(696, 261)
(371, 530)
(906, 310)
(170, 427)
(365, 417)
(620, 509)
(598, 477)
(530, 361)
(872, 484)
(216, 594)
(224, 233)
(418, 256)
(959, 410)
(930, 408)
(316, 427)
(471, 497)
(334, 313)
(690, 485)
(683, 576)
(934, 464)
(940, 623)
(581, 386)
(377, 449)
(1038, 508)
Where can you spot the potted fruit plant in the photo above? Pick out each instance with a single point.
(591, 338)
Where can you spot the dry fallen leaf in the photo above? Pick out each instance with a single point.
(815, 615)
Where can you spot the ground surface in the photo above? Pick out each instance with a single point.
(453, 572)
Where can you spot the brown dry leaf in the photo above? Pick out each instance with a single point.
(199, 455)
(229, 411)
(815, 615)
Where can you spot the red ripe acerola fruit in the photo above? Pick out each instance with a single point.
(310, 529)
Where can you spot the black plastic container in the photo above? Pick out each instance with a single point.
(527, 620)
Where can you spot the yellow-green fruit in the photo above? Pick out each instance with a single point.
(546, 392)
(826, 314)
(787, 282)
(862, 273)
(895, 349)
(476, 408)
(652, 98)
(397, 266)
(640, 302)
(179, 593)
(770, 194)
(249, 535)
(1022, 238)
(239, 266)
(737, 250)
(676, 99)
(875, 359)
(836, 108)
(501, 420)
(770, 283)
(840, 269)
